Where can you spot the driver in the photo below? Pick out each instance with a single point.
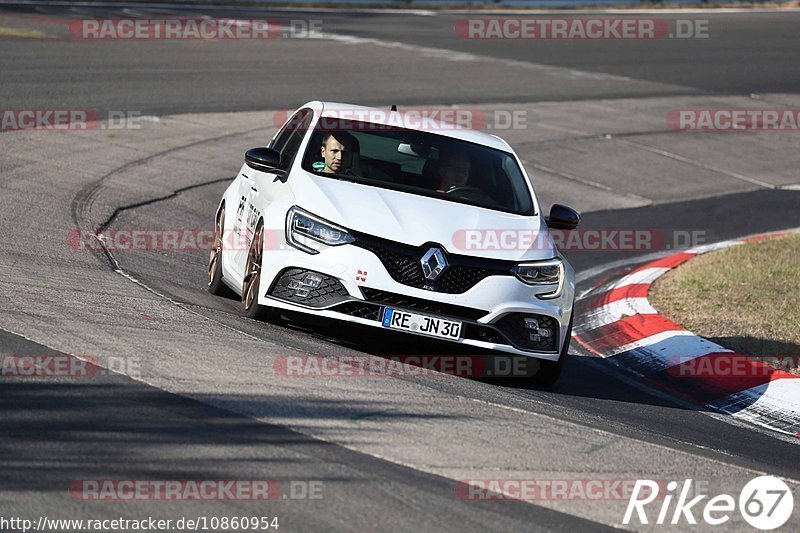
(337, 150)
(453, 170)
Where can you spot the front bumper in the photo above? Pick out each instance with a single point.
(355, 286)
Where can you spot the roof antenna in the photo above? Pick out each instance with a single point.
(394, 107)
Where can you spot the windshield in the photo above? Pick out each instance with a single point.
(419, 163)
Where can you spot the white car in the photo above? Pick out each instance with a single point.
(358, 214)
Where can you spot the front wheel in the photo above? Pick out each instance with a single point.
(215, 284)
(550, 371)
(252, 280)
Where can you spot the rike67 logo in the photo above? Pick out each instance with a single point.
(765, 503)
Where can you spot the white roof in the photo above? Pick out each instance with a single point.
(447, 121)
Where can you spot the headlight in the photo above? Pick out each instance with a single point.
(550, 272)
(302, 226)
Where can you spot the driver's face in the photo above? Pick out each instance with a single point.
(454, 171)
(333, 151)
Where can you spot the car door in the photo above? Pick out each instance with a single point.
(258, 188)
(239, 239)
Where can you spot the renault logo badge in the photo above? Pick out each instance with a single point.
(433, 264)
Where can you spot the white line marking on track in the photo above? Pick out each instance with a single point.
(452, 55)
(644, 276)
(713, 168)
(584, 181)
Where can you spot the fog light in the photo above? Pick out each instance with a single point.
(544, 333)
(534, 337)
(302, 289)
(531, 323)
(299, 290)
(312, 280)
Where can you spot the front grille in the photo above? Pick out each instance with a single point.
(513, 327)
(359, 309)
(302, 287)
(509, 330)
(478, 332)
(402, 262)
(374, 311)
(419, 304)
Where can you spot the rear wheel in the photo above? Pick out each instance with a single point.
(215, 284)
(550, 371)
(252, 280)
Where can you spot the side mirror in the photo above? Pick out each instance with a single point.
(563, 217)
(263, 159)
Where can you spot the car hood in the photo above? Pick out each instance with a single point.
(416, 220)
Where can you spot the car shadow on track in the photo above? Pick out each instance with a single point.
(581, 377)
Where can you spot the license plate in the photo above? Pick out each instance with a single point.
(425, 325)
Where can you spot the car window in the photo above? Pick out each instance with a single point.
(294, 141)
(288, 140)
(426, 164)
(280, 138)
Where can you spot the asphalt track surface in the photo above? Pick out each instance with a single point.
(742, 55)
(57, 431)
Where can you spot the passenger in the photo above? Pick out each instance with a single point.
(453, 170)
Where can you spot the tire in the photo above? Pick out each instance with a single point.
(550, 371)
(252, 280)
(215, 284)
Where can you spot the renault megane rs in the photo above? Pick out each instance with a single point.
(367, 216)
